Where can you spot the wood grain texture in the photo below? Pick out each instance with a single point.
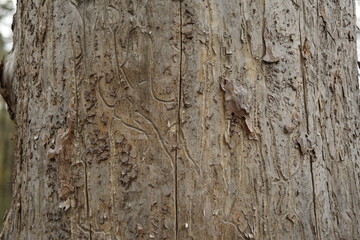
(96, 71)
(268, 172)
(199, 119)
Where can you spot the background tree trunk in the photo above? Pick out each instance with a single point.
(186, 120)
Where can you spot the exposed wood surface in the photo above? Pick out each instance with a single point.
(186, 120)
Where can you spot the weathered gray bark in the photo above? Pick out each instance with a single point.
(186, 120)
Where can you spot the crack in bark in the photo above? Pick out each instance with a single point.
(85, 163)
(178, 134)
(305, 99)
(87, 196)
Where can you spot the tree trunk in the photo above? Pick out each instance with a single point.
(186, 120)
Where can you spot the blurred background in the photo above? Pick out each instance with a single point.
(6, 126)
(357, 2)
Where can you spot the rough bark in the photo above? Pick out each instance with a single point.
(186, 120)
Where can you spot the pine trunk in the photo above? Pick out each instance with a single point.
(186, 119)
